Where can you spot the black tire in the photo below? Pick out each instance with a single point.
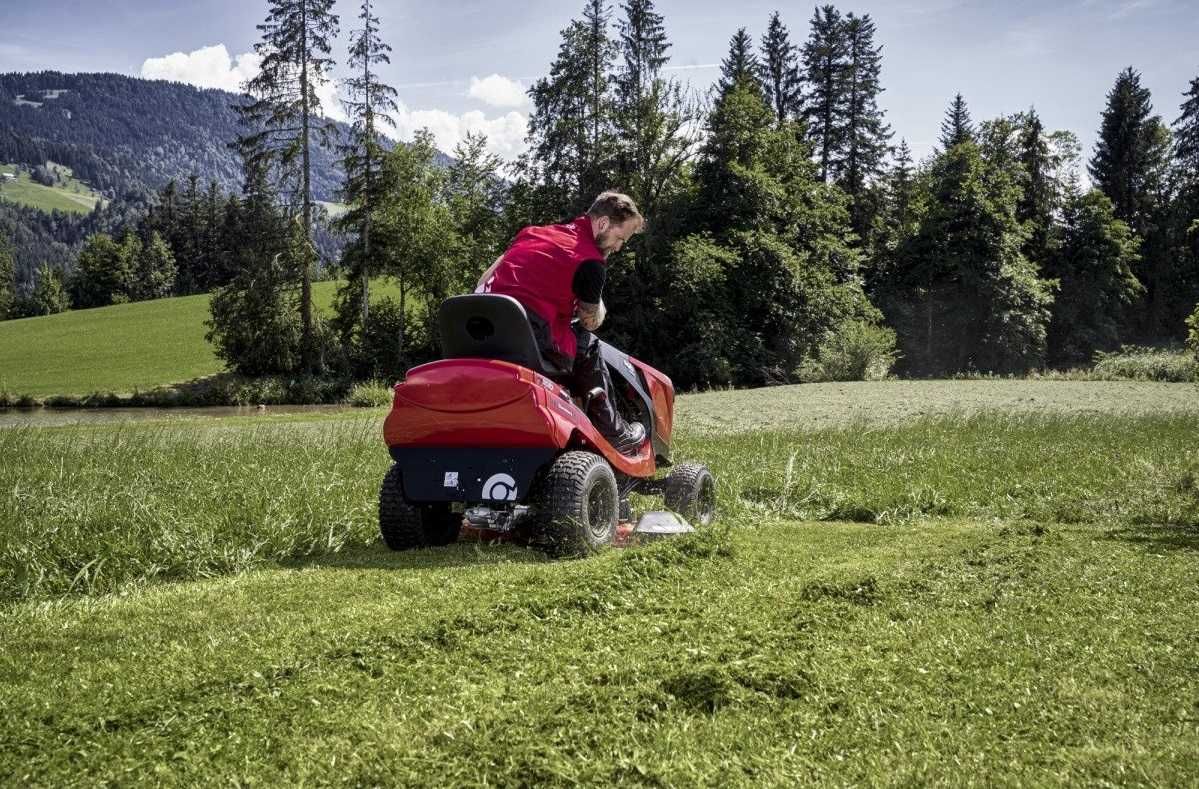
(691, 492)
(577, 504)
(405, 526)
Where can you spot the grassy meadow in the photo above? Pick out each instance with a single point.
(966, 587)
(119, 348)
(70, 195)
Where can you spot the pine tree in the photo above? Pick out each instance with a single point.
(1093, 261)
(282, 118)
(963, 296)
(864, 132)
(571, 141)
(8, 281)
(1186, 135)
(956, 128)
(651, 114)
(825, 59)
(154, 270)
(779, 72)
(740, 66)
(370, 103)
(1184, 220)
(1039, 195)
(767, 271)
(254, 325)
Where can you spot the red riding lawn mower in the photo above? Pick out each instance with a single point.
(485, 444)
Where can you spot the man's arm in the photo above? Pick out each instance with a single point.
(588, 288)
(481, 287)
(592, 315)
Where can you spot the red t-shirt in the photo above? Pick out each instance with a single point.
(538, 270)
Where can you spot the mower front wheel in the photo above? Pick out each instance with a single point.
(691, 492)
(577, 505)
(405, 526)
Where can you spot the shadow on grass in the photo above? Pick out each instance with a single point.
(379, 557)
(1158, 538)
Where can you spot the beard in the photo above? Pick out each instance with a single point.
(603, 242)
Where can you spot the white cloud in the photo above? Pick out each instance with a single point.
(505, 133)
(207, 67)
(498, 91)
(214, 67)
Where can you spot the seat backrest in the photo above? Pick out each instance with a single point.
(490, 326)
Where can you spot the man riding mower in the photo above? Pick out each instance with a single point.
(491, 438)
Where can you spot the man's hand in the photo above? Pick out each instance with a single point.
(592, 315)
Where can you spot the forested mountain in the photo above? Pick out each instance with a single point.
(127, 138)
(122, 134)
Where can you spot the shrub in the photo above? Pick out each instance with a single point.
(1137, 363)
(371, 394)
(855, 350)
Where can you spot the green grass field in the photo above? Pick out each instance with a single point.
(972, 596)
(70, 195)
(118, 348)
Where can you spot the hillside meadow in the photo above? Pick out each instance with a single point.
(988, 592)
(120, 348)
(70, 195)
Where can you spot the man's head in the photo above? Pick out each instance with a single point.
(614, 219)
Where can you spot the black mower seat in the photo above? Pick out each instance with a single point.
(491, 326)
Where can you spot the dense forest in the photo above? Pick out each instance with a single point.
(128, 139)
(791, 235)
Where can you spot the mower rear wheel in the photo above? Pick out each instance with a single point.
(577, 505)
(691, 492)
(405, 526)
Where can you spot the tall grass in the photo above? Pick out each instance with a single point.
(90, 510)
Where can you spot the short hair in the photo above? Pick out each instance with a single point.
(617, 207)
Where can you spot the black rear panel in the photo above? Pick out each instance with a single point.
(469, 475)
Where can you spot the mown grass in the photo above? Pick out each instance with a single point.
(834, 654)
(979, 599)
(90, 510)
(119, 349)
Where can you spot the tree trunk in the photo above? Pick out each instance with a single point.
(306, 349)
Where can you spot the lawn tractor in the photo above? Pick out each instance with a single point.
(485, 442)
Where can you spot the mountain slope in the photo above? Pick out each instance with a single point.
(120, 133)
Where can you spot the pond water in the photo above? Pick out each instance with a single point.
(54, 417)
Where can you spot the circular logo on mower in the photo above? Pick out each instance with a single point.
(499, 487)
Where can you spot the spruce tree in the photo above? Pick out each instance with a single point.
(571, 140)
(154, 270)
(1038, 199)
(956, 128)
(1093, 262)
(369, 103)
(1186, 135)
(1184, 219)
(254, 324)
(779, 73)
(740, 66)
(768, 270)
(651, 113)
(964, 297)
(283, 121)
(864, 133)
(825, 59)
(8, 281)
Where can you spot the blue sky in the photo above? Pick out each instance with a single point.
(460, 65)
